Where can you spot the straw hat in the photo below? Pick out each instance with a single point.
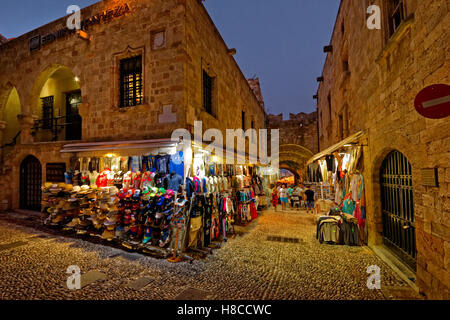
(73, 223)
(68, 187)
(60, 204)
(108, 234)
(59, 218)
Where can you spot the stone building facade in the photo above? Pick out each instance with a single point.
(370, 81)
(174, 44)
(298, 139)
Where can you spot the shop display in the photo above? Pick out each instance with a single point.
(147, 202)
(337, 181)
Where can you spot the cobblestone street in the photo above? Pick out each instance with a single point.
(250, 266)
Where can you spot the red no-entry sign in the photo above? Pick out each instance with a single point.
(434, 101)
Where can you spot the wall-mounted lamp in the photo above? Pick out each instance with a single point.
(328, 48)
(83, 35)
(232, 51)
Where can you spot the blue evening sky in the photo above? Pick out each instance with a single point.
(279, 41)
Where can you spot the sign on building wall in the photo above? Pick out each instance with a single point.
(434, 101)
(39, 41)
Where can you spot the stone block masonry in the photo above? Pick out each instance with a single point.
(376, 94)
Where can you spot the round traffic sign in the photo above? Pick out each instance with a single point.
(434, 101)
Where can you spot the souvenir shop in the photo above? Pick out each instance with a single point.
(335, 175)
(157, 198)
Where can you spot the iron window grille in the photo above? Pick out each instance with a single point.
(131, 88)
(47, 112)
(208, 86)
(396, 15)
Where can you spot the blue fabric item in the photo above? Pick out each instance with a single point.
(136, 164)
(349, 206)
(162, 163)
(174, 182)
(68, 177)
(148, 163)
(176, 163)
(189, 188)
(212, 169)
(363, 212)
(205, 187)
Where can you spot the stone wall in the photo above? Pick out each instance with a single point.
(96, 65)
(172, 78)
(376, 94)
(206, 50)
(300, 129)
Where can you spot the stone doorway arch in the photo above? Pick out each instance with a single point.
(30, 183)
(293, 157)
(56, 98)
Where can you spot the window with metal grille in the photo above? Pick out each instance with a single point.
(396, 15)
(47, 112)
(208, 86)
(131, 88)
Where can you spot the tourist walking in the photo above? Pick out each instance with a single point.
(284, 197)
(275, 198)
(295, 199)
(290, 191)
(309, 200)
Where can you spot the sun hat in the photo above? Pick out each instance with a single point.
(61, 185)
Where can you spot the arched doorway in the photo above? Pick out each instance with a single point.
(397, 203)
(9, 114)
(30, 183)
(57, 97)
(293, 158)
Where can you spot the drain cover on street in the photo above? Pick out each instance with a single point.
(140, 283)
(192, 294)
(284, 239)
(90, 277)
(12, 245)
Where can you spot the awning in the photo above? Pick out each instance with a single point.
(352, 139)
(118, 145)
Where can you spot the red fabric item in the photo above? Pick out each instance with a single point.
(361, 221)
(274, 199)
(102, 179)
(253, 212)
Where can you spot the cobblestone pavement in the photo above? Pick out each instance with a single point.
(246, 267)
